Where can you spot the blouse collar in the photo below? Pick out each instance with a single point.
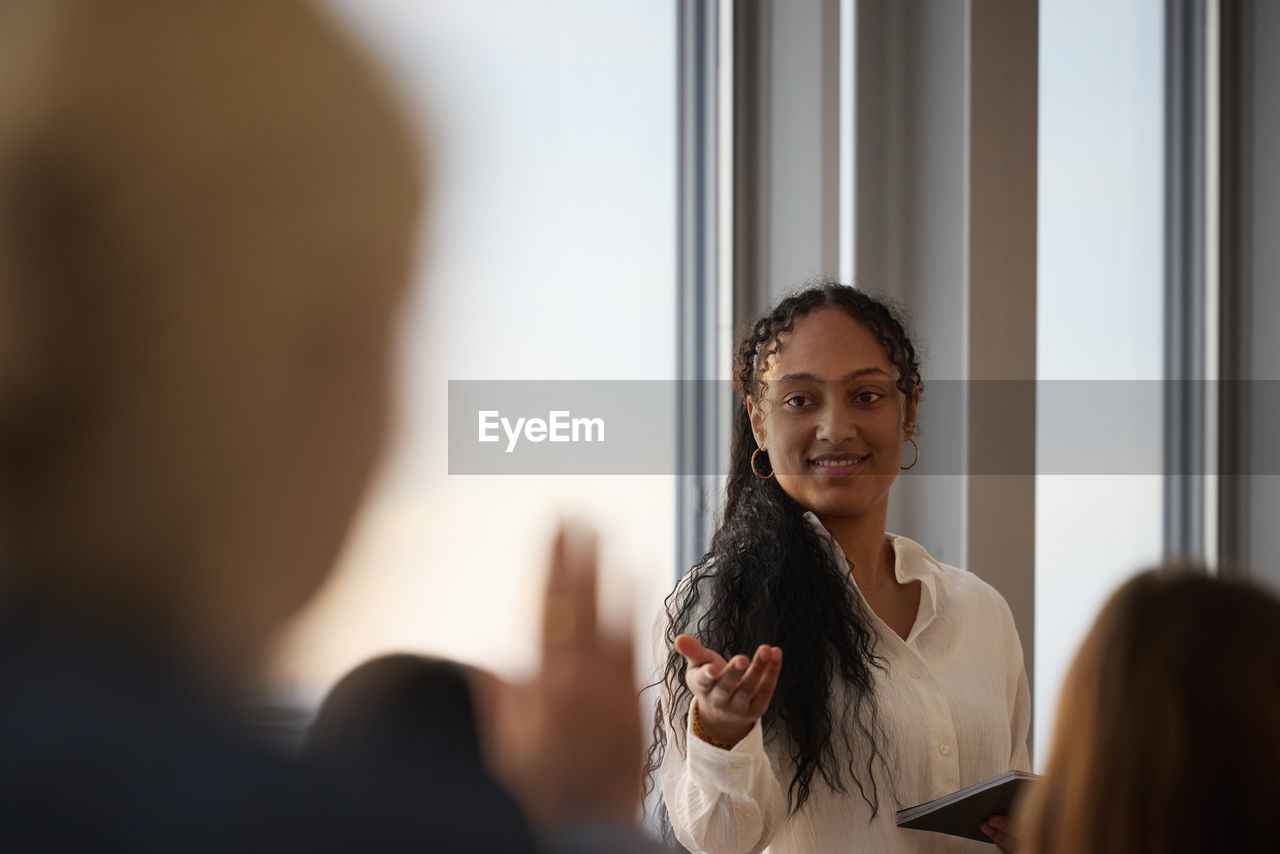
(911, 563)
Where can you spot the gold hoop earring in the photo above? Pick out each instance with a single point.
(912, 440)
(755, 470)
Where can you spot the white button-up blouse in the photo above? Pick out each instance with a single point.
(955, 709)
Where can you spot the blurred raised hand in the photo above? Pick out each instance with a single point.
(568, 745)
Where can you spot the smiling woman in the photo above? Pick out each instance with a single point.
(830, 416)
(903, 678)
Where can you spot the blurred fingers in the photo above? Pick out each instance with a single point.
(582, 555)
(570, 612)
(558, 614)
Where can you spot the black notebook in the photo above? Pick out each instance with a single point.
(961, 813)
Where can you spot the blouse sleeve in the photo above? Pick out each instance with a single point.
(721, 801)
(1019, 701)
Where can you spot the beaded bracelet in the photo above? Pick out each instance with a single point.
(696, 726)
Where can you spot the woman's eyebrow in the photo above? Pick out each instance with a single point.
(805, 376)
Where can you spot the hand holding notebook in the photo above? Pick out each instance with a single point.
(962, 813)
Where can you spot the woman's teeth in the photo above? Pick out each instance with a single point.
(836, 463)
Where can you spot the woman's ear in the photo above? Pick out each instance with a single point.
(755, 413)
(909, 421)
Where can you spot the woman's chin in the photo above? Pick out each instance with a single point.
(840, 497)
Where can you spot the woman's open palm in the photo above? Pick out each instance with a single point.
(731, 695)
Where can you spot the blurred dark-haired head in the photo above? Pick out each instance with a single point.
(406, 714)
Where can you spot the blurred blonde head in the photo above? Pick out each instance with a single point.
(206, 211)
(1168, 729)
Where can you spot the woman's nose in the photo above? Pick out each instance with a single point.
(837, 423)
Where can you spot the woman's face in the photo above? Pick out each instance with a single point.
(831, 416)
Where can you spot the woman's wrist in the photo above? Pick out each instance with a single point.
(715, 735)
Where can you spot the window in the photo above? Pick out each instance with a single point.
(550, 254)
(1100, 319)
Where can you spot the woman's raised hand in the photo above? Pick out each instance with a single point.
(731, 695)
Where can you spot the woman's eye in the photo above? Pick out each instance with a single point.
(795, 400)
(868, 396)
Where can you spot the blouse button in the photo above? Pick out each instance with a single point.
(944, 749)
(915, 674)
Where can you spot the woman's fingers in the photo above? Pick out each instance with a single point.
(726, 682)
(733, 694)
(705, 666)
(739, 686)
(757, 684)
(768, 681)
(701, 680)
(997, 827)
(695, 653)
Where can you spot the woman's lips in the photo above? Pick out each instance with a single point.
(837, 465)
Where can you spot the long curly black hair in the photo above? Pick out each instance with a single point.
(769, 579)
